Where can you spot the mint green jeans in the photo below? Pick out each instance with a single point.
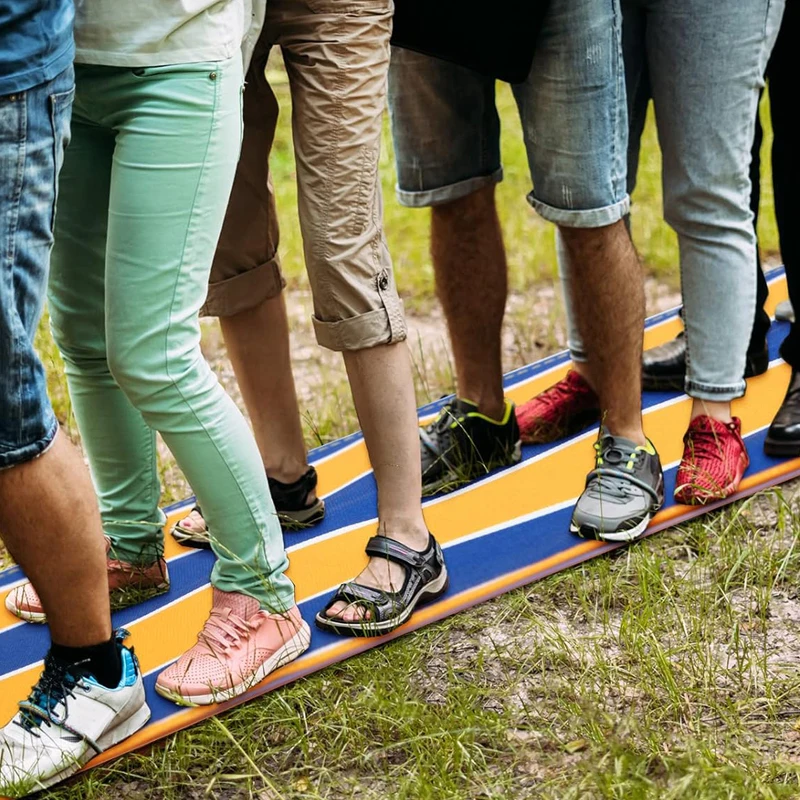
(142, 197)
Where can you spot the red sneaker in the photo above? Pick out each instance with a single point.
(714, 461)
(565, 408)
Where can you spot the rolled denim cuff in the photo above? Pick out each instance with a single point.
(446, 194)
(582, 218)
(715, 394)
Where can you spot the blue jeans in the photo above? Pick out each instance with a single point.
(703, 66)
(446, 129)
(34, 130)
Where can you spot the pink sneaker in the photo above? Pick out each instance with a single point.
(240, 645)
(128, 584)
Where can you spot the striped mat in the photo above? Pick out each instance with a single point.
(504, 531)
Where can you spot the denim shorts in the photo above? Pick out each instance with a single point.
(34, 130)
(446, 128)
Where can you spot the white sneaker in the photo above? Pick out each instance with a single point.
(68, 719)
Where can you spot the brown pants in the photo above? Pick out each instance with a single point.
(336, 54)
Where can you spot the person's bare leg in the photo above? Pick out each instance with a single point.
(50, 523)
(469, 262)
(258, 346)
(257, 341)
(718, 411)
(383, 390)
(610, 312)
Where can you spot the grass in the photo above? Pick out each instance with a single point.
(665, 671)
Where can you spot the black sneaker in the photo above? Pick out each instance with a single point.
(664, 367)
(462, 444)
(291, 502)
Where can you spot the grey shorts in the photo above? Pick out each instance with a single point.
(574, 119)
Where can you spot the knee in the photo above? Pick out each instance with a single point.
(132, 376)
(81, 351)
(711, 212)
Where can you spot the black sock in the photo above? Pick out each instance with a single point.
(103, 660)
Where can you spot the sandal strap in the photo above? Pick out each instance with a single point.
(375, 600)
(384, 547)
(353, 592)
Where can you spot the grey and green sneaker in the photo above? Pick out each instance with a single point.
(622, 493)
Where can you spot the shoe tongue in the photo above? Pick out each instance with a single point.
(611, 442)
(239, 604)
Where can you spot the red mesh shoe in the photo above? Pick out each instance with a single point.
(714, 461)
(565, 408)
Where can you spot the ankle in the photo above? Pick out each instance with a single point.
(582, 368)
(101, 660)
(705, 408)
(412, 532)
(491, 402)
(286, 470)
(634, 433)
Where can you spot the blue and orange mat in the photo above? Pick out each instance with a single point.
(504, 531)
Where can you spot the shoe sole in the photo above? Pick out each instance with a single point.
(291, 521)
(666, 384)
(432, 591)
(630, 535)
(452, 480)
(775, 447)
(109, 739)
(756, 365)
(293, 649)
(708, 497)
(304, 518)
(27, 616)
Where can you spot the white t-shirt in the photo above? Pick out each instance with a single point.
(150, 33)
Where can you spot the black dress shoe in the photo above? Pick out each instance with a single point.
(664, 367)
(783, 436)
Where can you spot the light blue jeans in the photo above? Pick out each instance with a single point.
(703, 64)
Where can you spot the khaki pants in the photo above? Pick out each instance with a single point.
(336, 54)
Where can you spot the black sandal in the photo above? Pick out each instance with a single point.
(426, 579)
(295, 513)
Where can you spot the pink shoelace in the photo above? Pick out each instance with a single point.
(223, 630)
